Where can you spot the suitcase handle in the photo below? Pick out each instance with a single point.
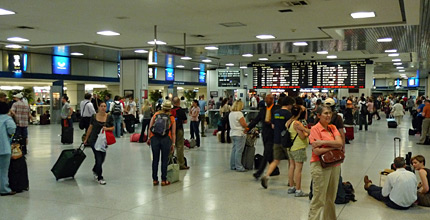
(81, 147)
(395, 139)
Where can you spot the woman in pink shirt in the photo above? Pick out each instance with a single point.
(194, 124)
(324, 137)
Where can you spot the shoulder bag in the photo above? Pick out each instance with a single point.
(332, 158)
(82, 122)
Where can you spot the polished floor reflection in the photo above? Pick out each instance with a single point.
(209, 190)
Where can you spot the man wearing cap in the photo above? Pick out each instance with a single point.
(21, 113)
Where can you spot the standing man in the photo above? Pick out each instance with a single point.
(202, 116)
(108, 101)
(181, 119)
(253, 102)
(95, 100)
(21, 112)
(363, 113)
(425, 130)
(265, 116)
(66, 112)
(87, 111)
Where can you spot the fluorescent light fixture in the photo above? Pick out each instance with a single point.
(243, 67)
(247, 55)
(229, 64)
(265, 36)
(93, 86)
(331, 57)
(363, 14)
(263, 59)
(196, 68)
(211, 48)
(13, 46)
(6, 12)
(397, 64)
(387, 39)
(400, 67)
(322, 52)
(396, 60)
(17, 39)
(108, 33)
(401, 70)
(180, 66)
(391, 51)
(11, 87)
(300, 44)
(186, 58)
(206, 61)
(180, 88)
(76, 54)
(158, 42)
(141, 51)
(393, 55)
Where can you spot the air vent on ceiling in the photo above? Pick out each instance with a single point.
(198, 35)
(295, 3)
(25, 27)
(285, 10)
(233, 24)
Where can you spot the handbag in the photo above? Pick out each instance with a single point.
(172, 170)
(101, 142)
(83, 121)
(110, 138)
(332, 158)
(16, 151)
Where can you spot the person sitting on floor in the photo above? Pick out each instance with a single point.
(423, 193)
(400, 188)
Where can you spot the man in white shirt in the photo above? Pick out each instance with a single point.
(313, 101)
(400, 188)
(254, 103)
(87, 111)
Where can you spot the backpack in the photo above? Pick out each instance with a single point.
(363, 109)
(224, 118)
(162, 124)
(286, 138)
(116, 110)
(345, 193)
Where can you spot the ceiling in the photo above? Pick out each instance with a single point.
(324, 24)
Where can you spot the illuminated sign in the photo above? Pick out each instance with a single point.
(202, 74)
(170, 72)
(61, 65)
(413, 82)
(17, 62)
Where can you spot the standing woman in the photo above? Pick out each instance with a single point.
(423, 193)
(225, 125)
(194, 124)
(7, 129)
(99, 121)
(164, 144)
(238, 128)
(146, 112)
(323, 138)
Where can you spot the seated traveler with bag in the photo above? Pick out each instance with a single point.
(423, 193)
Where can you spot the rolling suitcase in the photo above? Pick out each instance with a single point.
(129, 121)
(18, 175)
(248, 157)
(67, 135)
(407, 158)
(68, 163)
(391, 123)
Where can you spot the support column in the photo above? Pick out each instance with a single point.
(56, 93)
(369, 80)
(134, 78)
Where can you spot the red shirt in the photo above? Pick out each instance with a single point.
(318, 132)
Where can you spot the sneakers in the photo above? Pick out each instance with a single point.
(300, 193)
(96, 178)
(102, 182)
(256, 176)
(291, 190)
(264, 181)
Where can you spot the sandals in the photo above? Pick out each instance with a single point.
(165, 183)
(155, 182)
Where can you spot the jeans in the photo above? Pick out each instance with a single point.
(236, 153)
(194, 129)
(160, 144)
(179, 144)
(145, 123)
(4, 170)
(362, 120)
(21, 131)
(117, 125)
(202, 119)
(99, 159)
(376, 192)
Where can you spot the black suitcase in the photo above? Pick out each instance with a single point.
(18, 175)
(391, 123)
(129, 121)
(407, 158)
(67, 135)
(258, 159)
(68, 163)
(248, 157)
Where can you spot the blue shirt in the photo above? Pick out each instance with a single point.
(421, 107)
(108, 104)
(202, 104)
(7, 128)
(343, 102)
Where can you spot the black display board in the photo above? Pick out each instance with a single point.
(229, 78)
(310, 74)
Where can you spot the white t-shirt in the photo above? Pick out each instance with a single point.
(132, 108)
(254, 102)
(236, 128)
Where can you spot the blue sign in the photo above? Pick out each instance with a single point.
(170, 74)
(202, 74)
(61, 65)
(413, 82)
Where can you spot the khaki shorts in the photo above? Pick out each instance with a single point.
(297, 155)
(279, 152)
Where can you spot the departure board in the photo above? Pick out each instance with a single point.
(229, 78)
(310, 74)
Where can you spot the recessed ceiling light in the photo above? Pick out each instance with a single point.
(17, 39)
(397, 64)
(76, 54)
(387, 39)
(363, 14)
(186, 58)
(180, 66)
(206, 61)
(300, 44)
(229, 64)
(247, 55)
(401, 70)
(265, 36)
(108, 33)
(263, 59)
(396, 60)
(243, 67)
(393, 55)
(158, 42)
(331, 57)
(211, 48)
(196, 68)
(400, 67)
(322, 52)
(391, 51)
(6, 12)
(141, 51)
(13, 46)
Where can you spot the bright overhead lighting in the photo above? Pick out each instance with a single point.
(180, 66)
(300, 44)
(196, 68)
(400, 67)
(6, 12)
(393, 55)
(186, 58)
(265, 36)
(76, 54)
(391, 51)
(11, 87)
(363, 14)
(180, 88)
(401, 70)
(263, 59)
(141, 51)
(331, 57)
(322, 52)
(229, 64)
(206, 61)
(397, 64)
(396, 60)
(243, 67)
(158, 42)
(108, 33)
(247, 55)
(211, 48)
(387, 39)
(17, 39)
(13, 46)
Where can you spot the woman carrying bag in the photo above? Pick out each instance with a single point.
(146, 112)
(99, 121)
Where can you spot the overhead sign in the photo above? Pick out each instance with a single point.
(171, 50)
(229, 78)
(170, 72)
(61, 65)
(17, 62)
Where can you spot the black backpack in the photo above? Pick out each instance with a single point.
(345, 192)
(363, 109)
(286, 138)
(162, 124)
(116, 110)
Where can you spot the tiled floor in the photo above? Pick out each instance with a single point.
(209, 190)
